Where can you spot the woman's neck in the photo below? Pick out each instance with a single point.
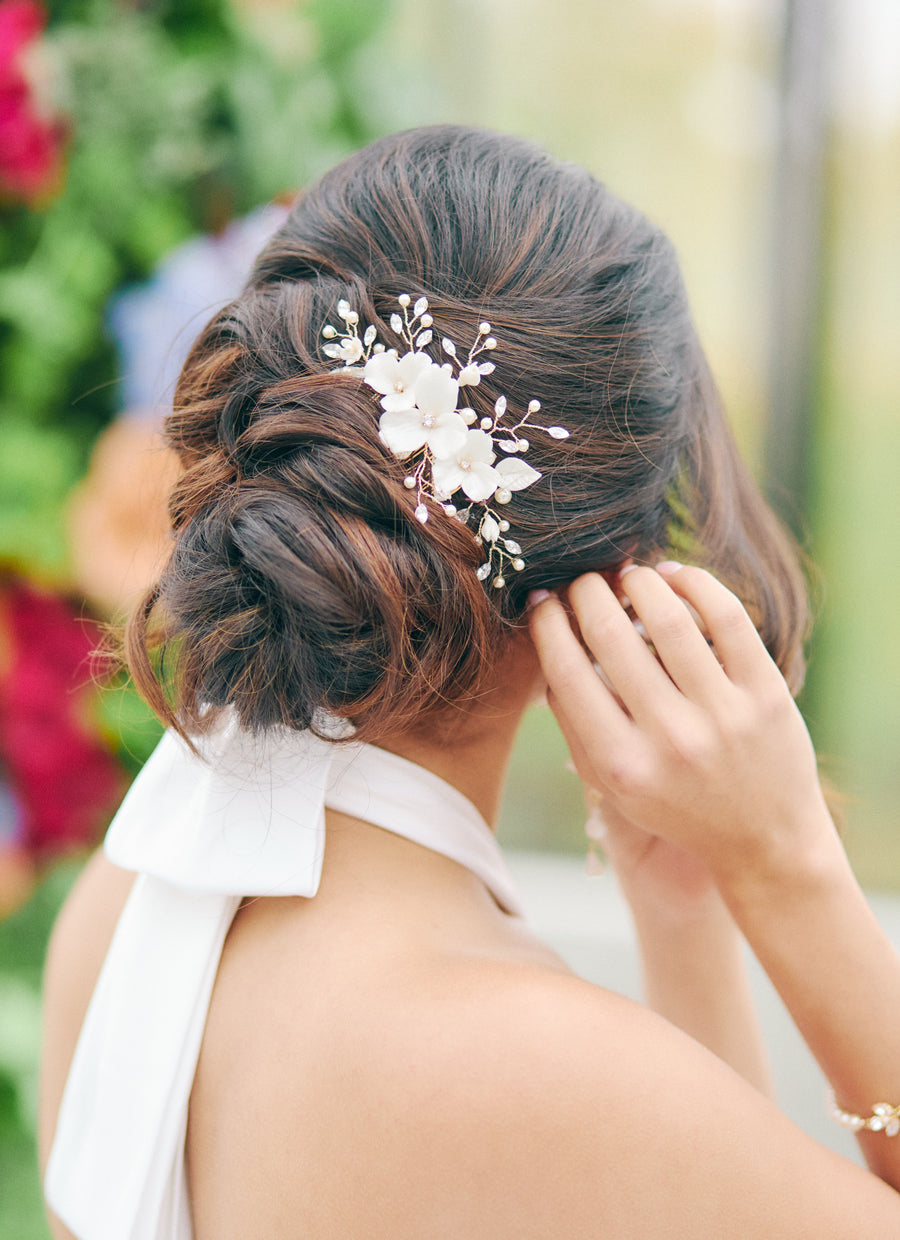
(471, 749)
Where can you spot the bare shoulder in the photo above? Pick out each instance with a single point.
(585, 1107)
(75, 955)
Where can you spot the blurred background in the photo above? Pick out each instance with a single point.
(145, 147)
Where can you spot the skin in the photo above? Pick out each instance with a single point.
(397, 1058)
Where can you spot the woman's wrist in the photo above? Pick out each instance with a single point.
(786, 867)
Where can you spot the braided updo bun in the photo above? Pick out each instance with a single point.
(300, 581)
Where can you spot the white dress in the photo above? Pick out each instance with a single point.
(248, 820)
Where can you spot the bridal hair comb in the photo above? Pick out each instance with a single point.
(425, 422)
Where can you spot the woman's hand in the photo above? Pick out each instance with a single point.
(656, 876)
(702, 745)
(705, 749)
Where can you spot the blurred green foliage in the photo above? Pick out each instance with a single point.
(23, 939)
(181, 115)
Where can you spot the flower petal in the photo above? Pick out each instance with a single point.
(480, 482)
(382, 372)
(436, 391)
(447, 476)
(396, 402)
(448, 437)
(412, 365)
(479, 447)
(402, 431)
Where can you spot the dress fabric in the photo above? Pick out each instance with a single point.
(246, 818)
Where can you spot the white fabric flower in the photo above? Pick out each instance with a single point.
(395, 376)
(470, 468)
(431, 420)
(349, 350)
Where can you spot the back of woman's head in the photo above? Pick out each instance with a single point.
(300, 580)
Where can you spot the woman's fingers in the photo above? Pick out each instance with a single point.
(630, 666)
(573, 736)
(576, 691)
(735, 639)
(680, 644)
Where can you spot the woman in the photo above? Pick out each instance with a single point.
(513, 399)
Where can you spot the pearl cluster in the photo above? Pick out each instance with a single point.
(884, 1118)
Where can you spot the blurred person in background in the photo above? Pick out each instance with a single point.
(253, 1031)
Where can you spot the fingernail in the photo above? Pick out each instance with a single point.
(536, 597)
(629, 568)
(667, 567)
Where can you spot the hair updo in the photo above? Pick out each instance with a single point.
(299, 580)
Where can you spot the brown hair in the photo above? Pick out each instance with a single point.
(299, 580)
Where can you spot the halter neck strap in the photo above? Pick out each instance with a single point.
(247, 817)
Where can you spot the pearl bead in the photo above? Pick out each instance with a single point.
(409, 482)
(504, 525)
(499, 582)
(486, 424)
(503, 496)
(429, 420)
(518, 564)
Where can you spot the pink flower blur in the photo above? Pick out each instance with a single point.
(30, 143)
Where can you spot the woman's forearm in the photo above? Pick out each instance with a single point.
(695, 976)
(838, 974)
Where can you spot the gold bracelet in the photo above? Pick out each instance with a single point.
(884, 1118)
